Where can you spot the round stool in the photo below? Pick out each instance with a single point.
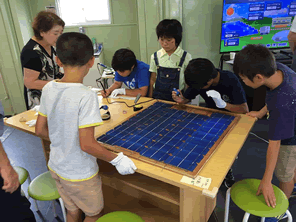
(120, 216)
(243, 194)
(43, 188)
(23, 175)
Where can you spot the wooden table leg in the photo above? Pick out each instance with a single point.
(195, 207)
(46, 149)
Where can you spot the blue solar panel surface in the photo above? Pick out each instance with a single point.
(172, 136)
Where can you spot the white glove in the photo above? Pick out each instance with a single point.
(220, 103)
(118, 91)
(31, 122)
(36, 108)
(123, 164)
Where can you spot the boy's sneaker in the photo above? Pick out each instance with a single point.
(276, 219)
(293, 192)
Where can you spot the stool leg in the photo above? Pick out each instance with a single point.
(35, 203)
(23, 193)
(54, 209)
(290, 219)
(63, 209)
(227, 200)
(246, 217)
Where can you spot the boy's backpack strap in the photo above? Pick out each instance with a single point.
(182, 59)
(156, 59)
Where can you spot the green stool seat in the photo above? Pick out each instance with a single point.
(120, 216)
(22, 174)
(243, 194)
(43, 187)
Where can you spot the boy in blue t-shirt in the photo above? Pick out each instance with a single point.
(256, 66)
(68, 115)
(130, 71)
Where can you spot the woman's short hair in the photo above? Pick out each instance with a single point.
(45, 21)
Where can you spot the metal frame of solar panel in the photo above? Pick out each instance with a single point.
(180, 138)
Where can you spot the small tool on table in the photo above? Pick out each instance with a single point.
(137, 107)
(177, 92)
(103, 86)
(106, 115)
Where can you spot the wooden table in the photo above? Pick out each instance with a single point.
(154, 193)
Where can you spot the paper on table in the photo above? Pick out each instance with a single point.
(199, 181)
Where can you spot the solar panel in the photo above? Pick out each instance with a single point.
(172, 136)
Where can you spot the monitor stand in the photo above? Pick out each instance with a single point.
(284, 56)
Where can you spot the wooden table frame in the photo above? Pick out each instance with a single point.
(162, 188)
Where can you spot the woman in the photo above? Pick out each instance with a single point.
(38, 56)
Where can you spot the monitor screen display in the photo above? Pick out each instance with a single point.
(256, 22)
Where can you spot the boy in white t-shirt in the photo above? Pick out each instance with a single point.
(68, 115)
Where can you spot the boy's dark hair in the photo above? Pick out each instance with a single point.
(45, 21)
(74, 49)
(123, 59)
(199, 72)
(253, 60)
(170, 28)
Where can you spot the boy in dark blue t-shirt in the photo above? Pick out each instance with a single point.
(256, 66)
(130, 71)
(220, 89)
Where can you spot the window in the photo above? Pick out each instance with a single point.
(84, 12)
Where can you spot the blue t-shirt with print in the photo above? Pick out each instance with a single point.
(281, 104)
(139, 77)
(229, 87)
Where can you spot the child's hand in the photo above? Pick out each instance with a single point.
(105, 94)
(220, 103)
(255, 114)
(11, 179)
(179, 98)
(266, 189)
(123, 164)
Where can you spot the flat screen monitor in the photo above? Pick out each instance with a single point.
(256, 22)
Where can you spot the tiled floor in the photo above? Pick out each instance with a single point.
(26, 150)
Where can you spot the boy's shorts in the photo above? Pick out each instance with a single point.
(85, 195)
(286, 164)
